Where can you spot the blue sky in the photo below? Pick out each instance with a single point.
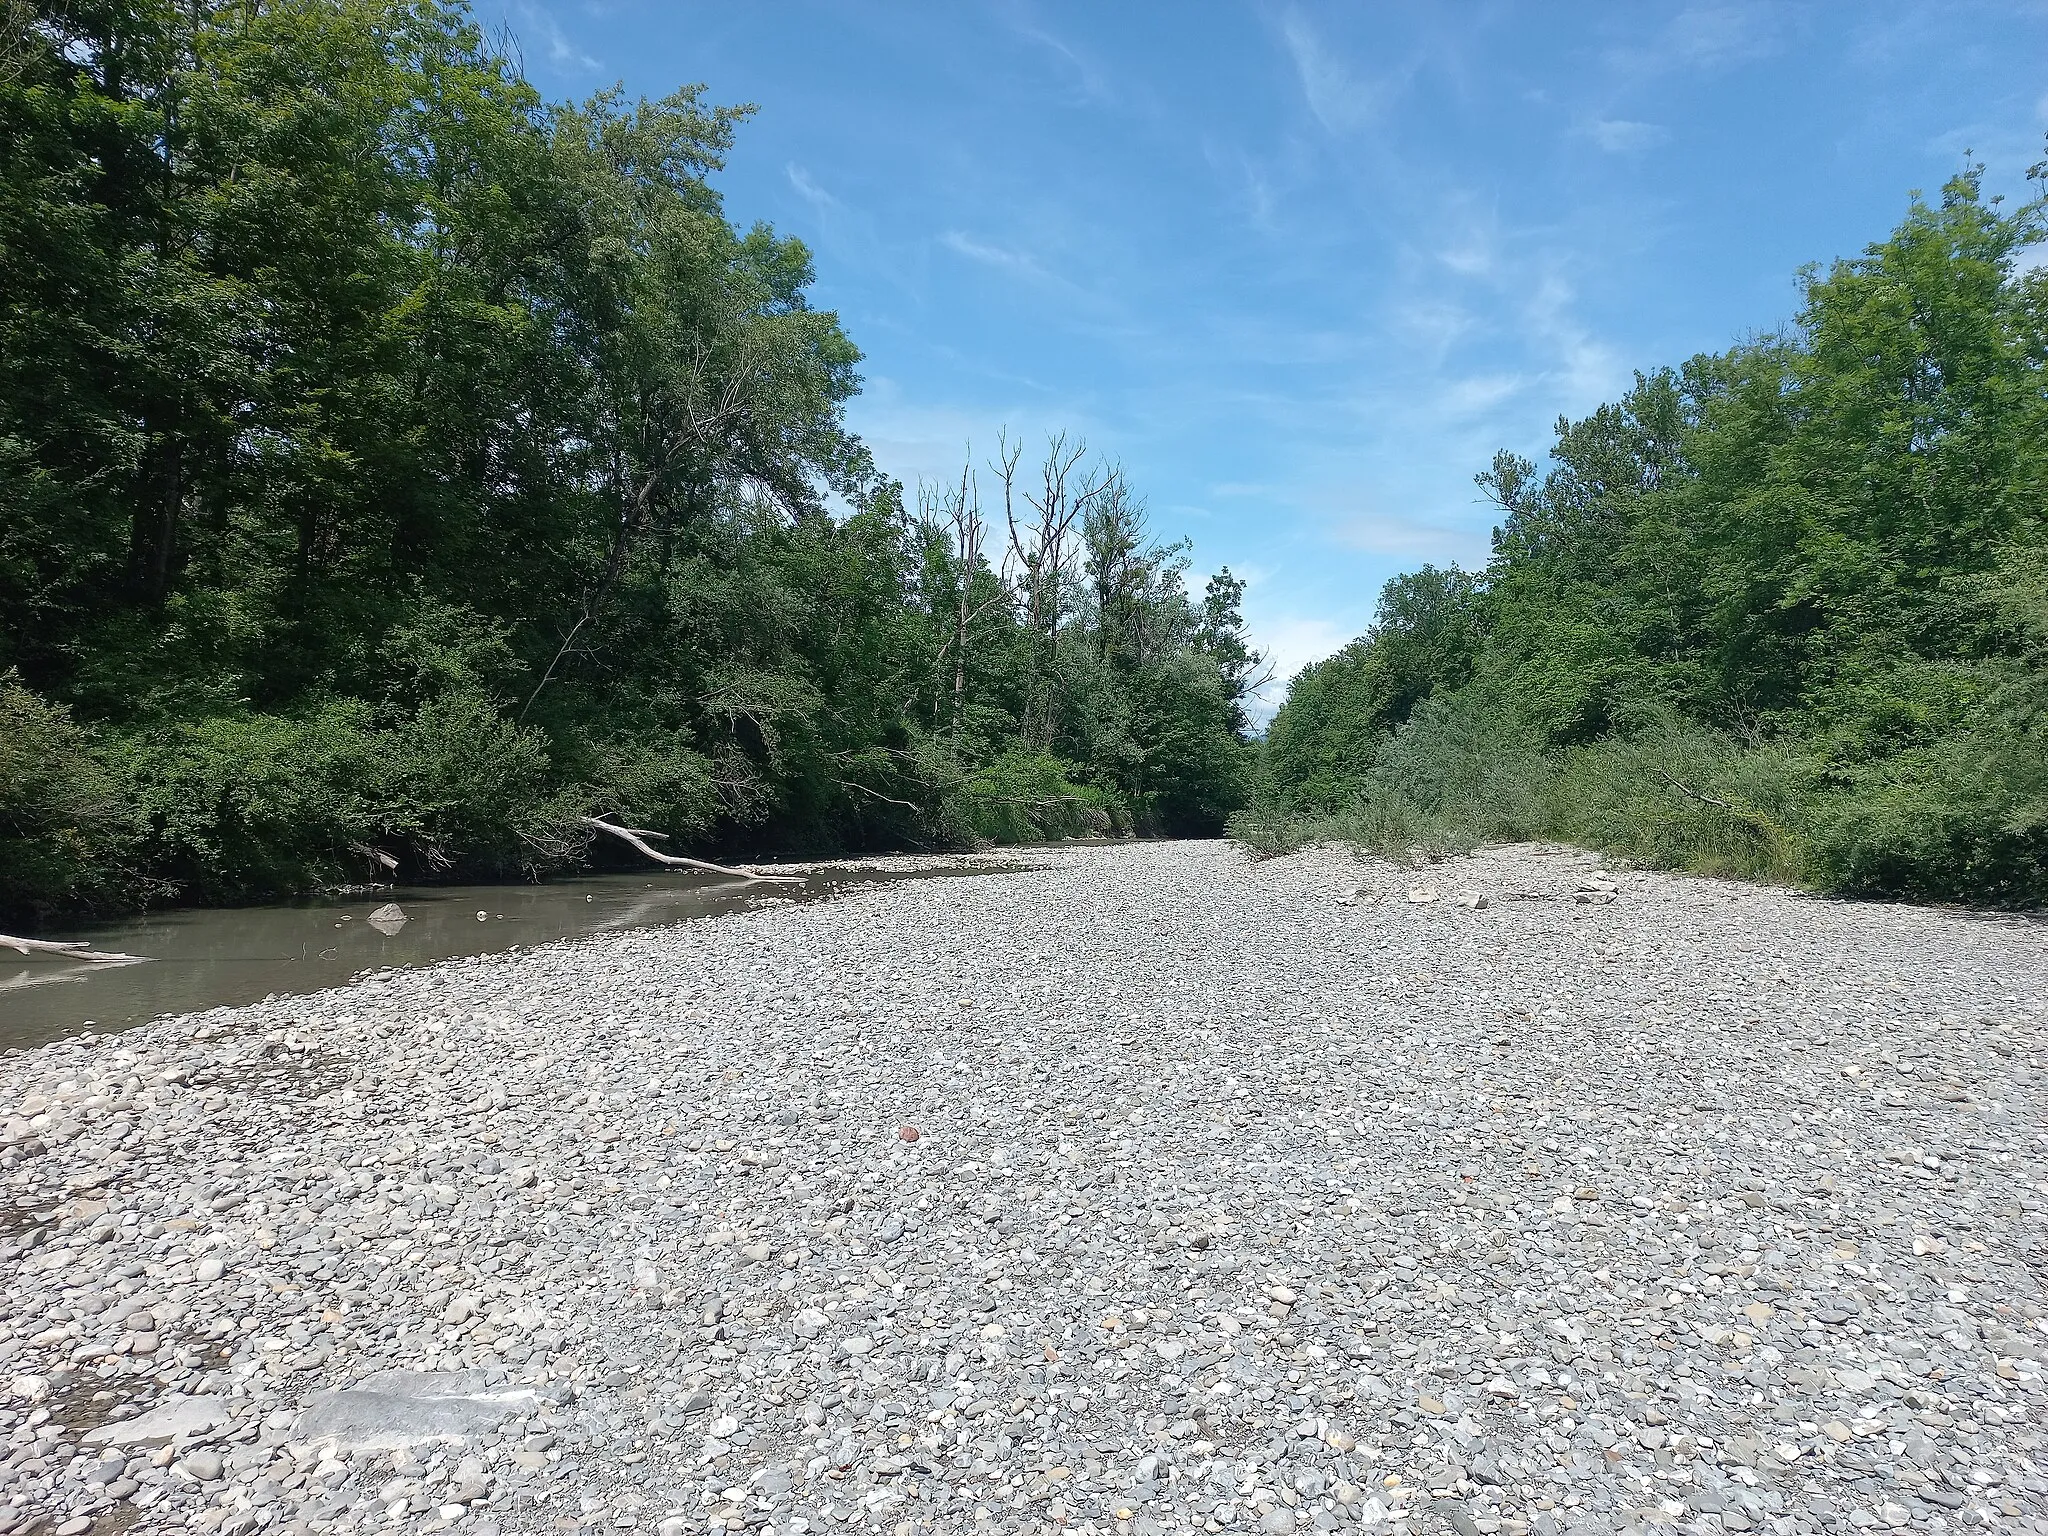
(1303, 268)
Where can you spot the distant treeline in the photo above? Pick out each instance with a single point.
(1780, 612)
(396, 467)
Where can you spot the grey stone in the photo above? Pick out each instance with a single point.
(178, 1420)
(403, 1408)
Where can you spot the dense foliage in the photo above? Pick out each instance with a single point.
(395, 467)
(1781, 611)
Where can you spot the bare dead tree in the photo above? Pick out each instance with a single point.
(1043, 546)
(951, 515)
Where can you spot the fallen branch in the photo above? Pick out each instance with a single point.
(1703, 799)
(876, 793)
(1775, 835)
(677, 861)
(71, 951)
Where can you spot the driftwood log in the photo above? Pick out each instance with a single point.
(73, 951)
(637, 836)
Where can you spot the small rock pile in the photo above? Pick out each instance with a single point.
(1150, 1191)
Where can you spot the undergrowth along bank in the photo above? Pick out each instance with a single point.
(1780, 612)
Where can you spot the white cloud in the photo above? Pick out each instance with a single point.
(1340, 100)
(1291, 641)
(562, 52)
(1089, 78)
(1249, 178)
(1584, 369)
(1411, 539)
(1621, 136)
(1703, 37)
(1469, 261)
(991, 255)
(1468, 397)
(915, 440)
(808, 189)
(1435, 324)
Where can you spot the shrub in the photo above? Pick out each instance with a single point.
(1024, 797)
(471, 790)
(62, 838)
(1684, 797)
(1965, 819)
(232, 807)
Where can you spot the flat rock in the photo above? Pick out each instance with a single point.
(179, 1421)
(395, 1409)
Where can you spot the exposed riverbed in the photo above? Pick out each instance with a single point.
(1147, 1192)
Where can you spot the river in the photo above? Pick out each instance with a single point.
(212, 957)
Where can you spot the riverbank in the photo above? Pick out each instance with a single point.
(196, 958)
(1153, 1190)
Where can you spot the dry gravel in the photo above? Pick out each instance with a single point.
(1236, 1202)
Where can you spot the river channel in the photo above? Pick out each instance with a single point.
(208, 957)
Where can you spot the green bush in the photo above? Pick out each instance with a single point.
(1024, 797)
(236, 806)
(62, 838)
(470, 790)
(1778, 613)
(1965, 819)
(1683, 797)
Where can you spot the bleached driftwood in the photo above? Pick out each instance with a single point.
(72, 951)
(637, 837)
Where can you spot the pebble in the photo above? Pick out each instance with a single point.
(1147, 1191)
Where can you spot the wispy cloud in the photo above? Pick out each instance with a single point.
(1584, 369)
(1290, 642)
(1703, 37)
(1090, 79)
(1622, 136)
(562, 51)
(1248, 178)
(1412, 539)
(992, 255)
(2005, 146)
(1340, 100)
(1433, 323)
(1468, 397)
(1469, 260)
(915, 440)
(808, 189)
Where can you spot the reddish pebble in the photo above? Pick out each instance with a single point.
(908, 1133)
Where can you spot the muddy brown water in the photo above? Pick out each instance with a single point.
(204, 957)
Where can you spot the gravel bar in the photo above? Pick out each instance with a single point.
(1150, 1190)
